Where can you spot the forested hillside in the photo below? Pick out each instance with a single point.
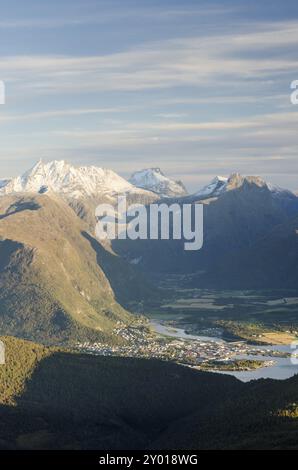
(59, 400)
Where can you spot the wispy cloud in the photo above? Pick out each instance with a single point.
(60, 113)
(214, 97)
(113, 13)
(269, 130)
(171, 115)
(193, 62)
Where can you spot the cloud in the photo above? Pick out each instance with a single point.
(192, 62)
(112, 13)
(246, 66)
(171, 115)
(267, 133)
(60, 113)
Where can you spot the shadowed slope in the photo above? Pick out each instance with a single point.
(67, 400)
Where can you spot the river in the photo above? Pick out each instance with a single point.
(282, 369)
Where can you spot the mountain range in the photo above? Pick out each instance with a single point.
(59, 284)
(91, 182)
(246, 222)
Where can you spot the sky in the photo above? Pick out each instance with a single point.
(197, 88)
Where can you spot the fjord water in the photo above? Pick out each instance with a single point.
(282, 369)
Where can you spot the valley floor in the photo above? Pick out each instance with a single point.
(225, 328)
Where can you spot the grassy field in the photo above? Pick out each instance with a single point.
(278, 338)
(265, 316)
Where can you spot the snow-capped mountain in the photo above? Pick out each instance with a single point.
(214, 188)
(71, 181)
(221, 184)
(152, 179)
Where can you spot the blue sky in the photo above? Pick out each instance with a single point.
(196, 87)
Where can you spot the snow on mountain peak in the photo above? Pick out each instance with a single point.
(221, 184)
(153, 179)
(216, 186)
(61, 177)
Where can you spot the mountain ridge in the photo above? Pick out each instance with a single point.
(234, 222)
(221, 184)
(54, 285)
(76, 182)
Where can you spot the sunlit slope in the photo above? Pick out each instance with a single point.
(21, 359)
(51, 284)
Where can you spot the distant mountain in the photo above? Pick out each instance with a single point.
(57, 283)
(220, 185)
(82, 187)
(239, 212)
(246, 211)
(216, 186)
(152, 179)
(269, 262)
(71, 181)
